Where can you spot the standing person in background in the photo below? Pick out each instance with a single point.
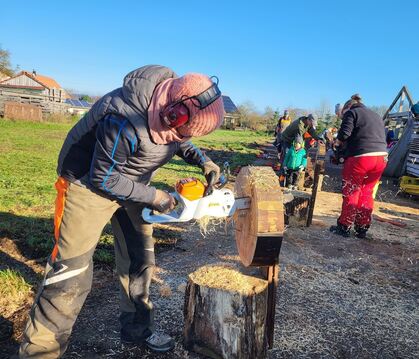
(363, 133)
(283, 123)
(295, 162)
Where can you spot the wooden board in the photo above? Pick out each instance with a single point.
(259, 229)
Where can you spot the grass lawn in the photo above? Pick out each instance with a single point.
(28, 157)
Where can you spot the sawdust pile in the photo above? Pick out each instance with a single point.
(228, 279)
(262, 177)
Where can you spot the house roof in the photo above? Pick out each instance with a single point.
(48, 81)
(44, 81)
(229, 105)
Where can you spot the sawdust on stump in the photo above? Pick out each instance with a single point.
(262, 177)
(227, 279)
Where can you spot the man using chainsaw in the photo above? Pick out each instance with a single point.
(104, 168)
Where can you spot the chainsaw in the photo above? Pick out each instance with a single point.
(195, 200)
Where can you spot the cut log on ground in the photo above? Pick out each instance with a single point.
(225, 313)
(296, 206)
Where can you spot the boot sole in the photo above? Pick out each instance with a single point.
(160, 349)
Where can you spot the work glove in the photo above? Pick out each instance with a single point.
(163, 202)
(209, 167)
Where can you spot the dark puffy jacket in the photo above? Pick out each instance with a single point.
(110, 148)
(363, 132)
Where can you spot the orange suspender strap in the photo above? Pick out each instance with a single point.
(61, 185)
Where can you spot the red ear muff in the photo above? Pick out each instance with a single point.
(175, 115)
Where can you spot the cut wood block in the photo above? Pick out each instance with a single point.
(225, 313)
(296, 205)
(260, 228)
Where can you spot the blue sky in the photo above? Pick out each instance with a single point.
(273, 53)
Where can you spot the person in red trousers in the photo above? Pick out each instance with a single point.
(362, 132)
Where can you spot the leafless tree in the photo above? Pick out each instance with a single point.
(5, 65)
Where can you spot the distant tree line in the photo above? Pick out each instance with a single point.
(252, 119)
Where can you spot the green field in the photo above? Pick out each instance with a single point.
(28, 157)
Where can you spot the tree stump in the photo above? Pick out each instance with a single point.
(225, 313)
(296, 205)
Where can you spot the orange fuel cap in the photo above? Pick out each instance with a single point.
(190, 188)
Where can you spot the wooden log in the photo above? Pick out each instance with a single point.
(225, 313)
(296, 205)
(259, 229)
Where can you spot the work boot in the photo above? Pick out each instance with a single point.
(341, 230)
(361, 231)
(160, 342)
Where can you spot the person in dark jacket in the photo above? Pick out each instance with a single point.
(362, 131)
(104, 168)
(295, 162)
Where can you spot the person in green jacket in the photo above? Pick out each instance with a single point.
(295, 162)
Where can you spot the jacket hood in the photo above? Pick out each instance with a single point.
(139, 85)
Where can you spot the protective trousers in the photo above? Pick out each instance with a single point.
(80, 216)
(360, 175)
